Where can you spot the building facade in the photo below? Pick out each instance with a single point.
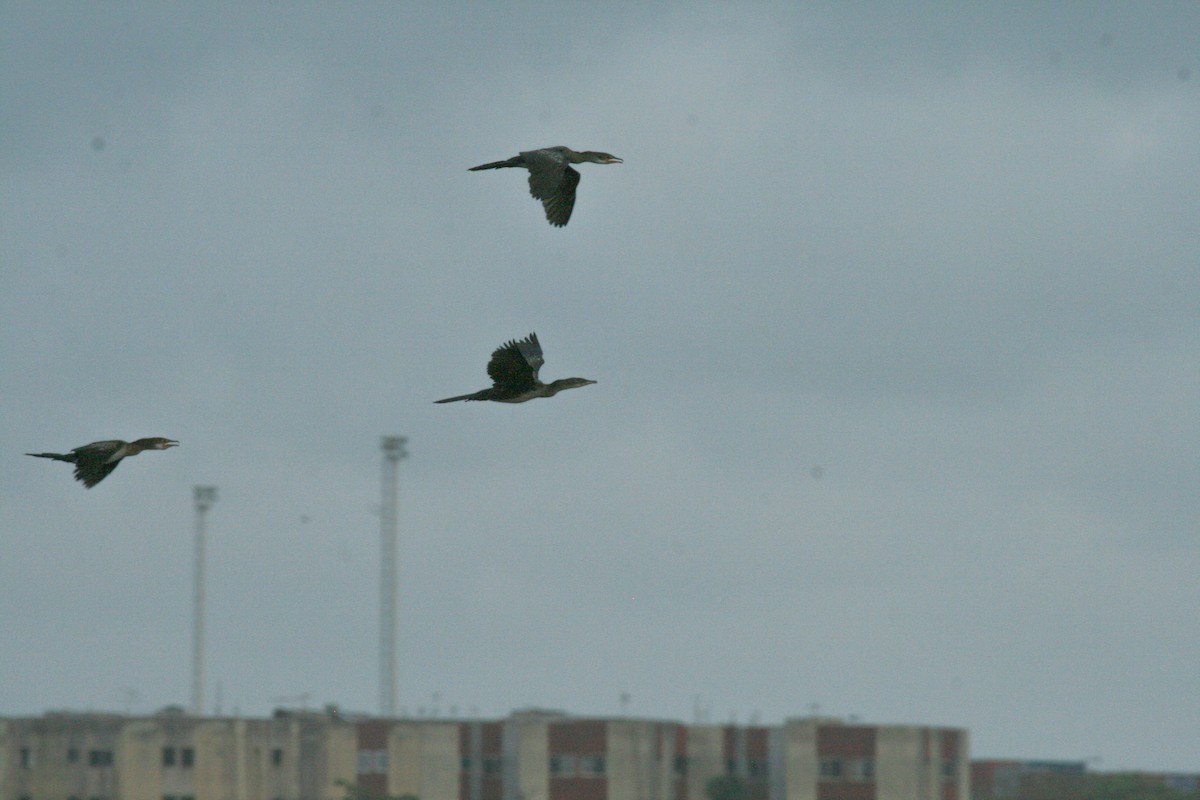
(530, 755)
(1000, 778)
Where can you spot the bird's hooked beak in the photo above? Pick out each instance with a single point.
(168, 443)
(614, 160)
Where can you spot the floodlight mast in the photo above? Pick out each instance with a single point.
(204, 497)
(393, 451)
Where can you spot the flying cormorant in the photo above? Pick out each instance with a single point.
(552, 179)
(514, 373)
(94, 461)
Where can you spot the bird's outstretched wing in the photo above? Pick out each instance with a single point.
(560, 204)
(515, 364)
(92, 463)
(90, 471)
(546, 168)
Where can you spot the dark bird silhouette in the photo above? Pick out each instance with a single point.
(552, 179)
(514, 373)
(94, 461)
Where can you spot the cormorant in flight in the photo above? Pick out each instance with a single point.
(514, 373)
(94, 461)
(552, 179)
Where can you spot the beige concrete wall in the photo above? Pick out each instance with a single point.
(900, 771)
(631, 767)
(963, 777)
(342, 764)
(705, 760)
(138, 758)
(663, 786)
(209, 774)
(800, 763)
(253, 755)
(532, 769)
(423, 760)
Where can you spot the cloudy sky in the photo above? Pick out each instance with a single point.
(893, 313)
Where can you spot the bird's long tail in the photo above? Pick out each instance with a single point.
(456, 399)
(68, 457)
(515, 161)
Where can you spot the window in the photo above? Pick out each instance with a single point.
(568, 766)
(949, 769)
(25, 757)
(72, 755)
(756, 768)
(465, 764)
(831, 768)
(492, 765)
(169, 760)
(277, 756)
(372, 762)
(100, 758)
(681, 765)
(868, 769)
(591, 765)
(562, 766)
(187, 756)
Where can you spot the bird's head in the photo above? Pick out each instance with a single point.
(593, 156)
(156, 443)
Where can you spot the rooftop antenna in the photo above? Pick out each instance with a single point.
(393, 451)
(204, 497)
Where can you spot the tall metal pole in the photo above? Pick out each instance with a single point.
(204, 497)
(393, 451)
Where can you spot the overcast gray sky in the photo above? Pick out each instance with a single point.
(893, 312)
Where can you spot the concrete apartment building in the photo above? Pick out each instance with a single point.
(530, 755)
(998, 778)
